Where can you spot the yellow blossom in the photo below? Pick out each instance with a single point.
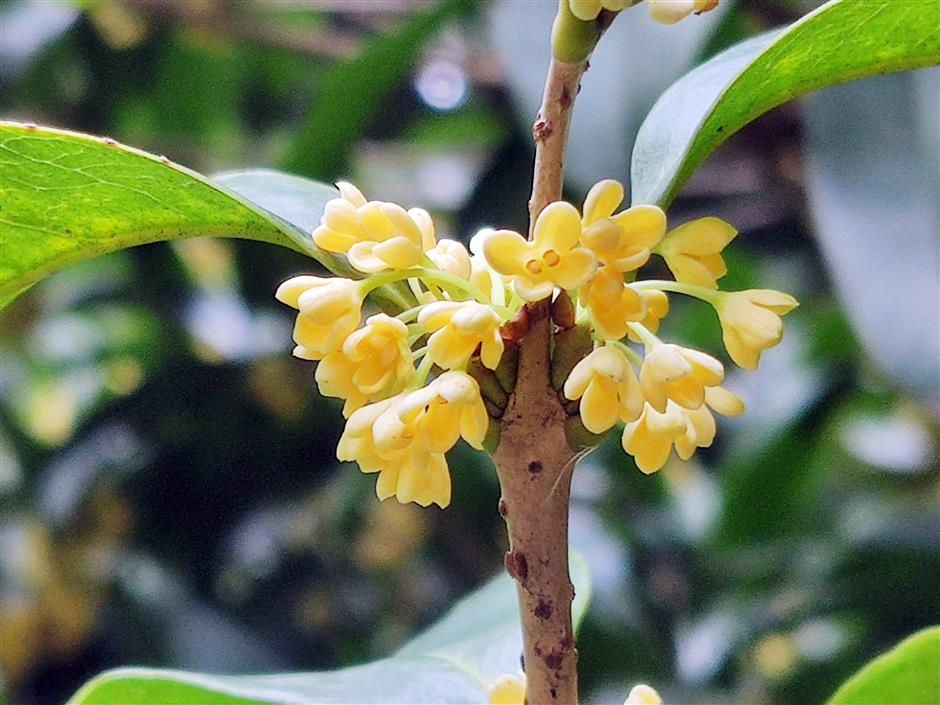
(622, 241)
(488, 281)
(448, 408)
(750, 322)
(457, 328)
(671, 11)
(611, 304)
(508, 690)
(374, 360)
(643, 695)
(552, 258)
(670, 371)
(589, 9)
(650, 437)
(404, 438)
(452, 257)
(330, 309)
(656, 305)
(374, 235)
(693, 251)
(409, 472)
(607, 386)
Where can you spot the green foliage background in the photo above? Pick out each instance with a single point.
(168, 491)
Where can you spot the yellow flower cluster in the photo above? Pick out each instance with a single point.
(666, 396)
(400, 424)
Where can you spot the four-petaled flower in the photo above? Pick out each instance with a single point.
(623, 241)
(693, 251)
(374, 235)
(750, 322)
(457, 329)
(608, 389)
(374, 361)
(611, 304)
(670, 371)
(330, 309)
(552, 258)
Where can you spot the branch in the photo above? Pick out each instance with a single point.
(550, 133)
(534, 460)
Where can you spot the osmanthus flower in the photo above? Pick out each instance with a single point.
(671, 11)
(623, 241)
(330, 309)
(643, 695)
(750, 322)
(508, 689)
(410, 473)
(656, 305)
(452, 257)
(374, 235)
(552, 258)
(404, 438)
(693, 251)
(374, 361)
(651, 437)
(607, 386)
(457, 328)
(590, 9)
(672, 372)
(401, 427)
(611, 304)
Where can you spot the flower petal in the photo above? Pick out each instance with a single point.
(644, 226)
(506, 251)
(602, 200)
(575, 268)
(558, 227)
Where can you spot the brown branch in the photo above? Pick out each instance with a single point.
(550, 133)
(534, 464)
(533, 459)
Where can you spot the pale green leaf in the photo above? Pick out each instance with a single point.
(454, 661)
(909, 674)
(841, 41)
(67, 197)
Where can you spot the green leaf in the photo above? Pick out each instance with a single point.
(352, 93)
(841, 41)
(454, 661)
(906, 675)
(67, 197)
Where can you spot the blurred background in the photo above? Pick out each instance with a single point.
(168, 491)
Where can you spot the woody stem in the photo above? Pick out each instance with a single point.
(534, 459)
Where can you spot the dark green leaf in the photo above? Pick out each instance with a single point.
(841, 41)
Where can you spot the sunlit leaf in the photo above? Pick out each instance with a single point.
(67, 197)
(454, 661)
(909, 674)
(841, 41)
